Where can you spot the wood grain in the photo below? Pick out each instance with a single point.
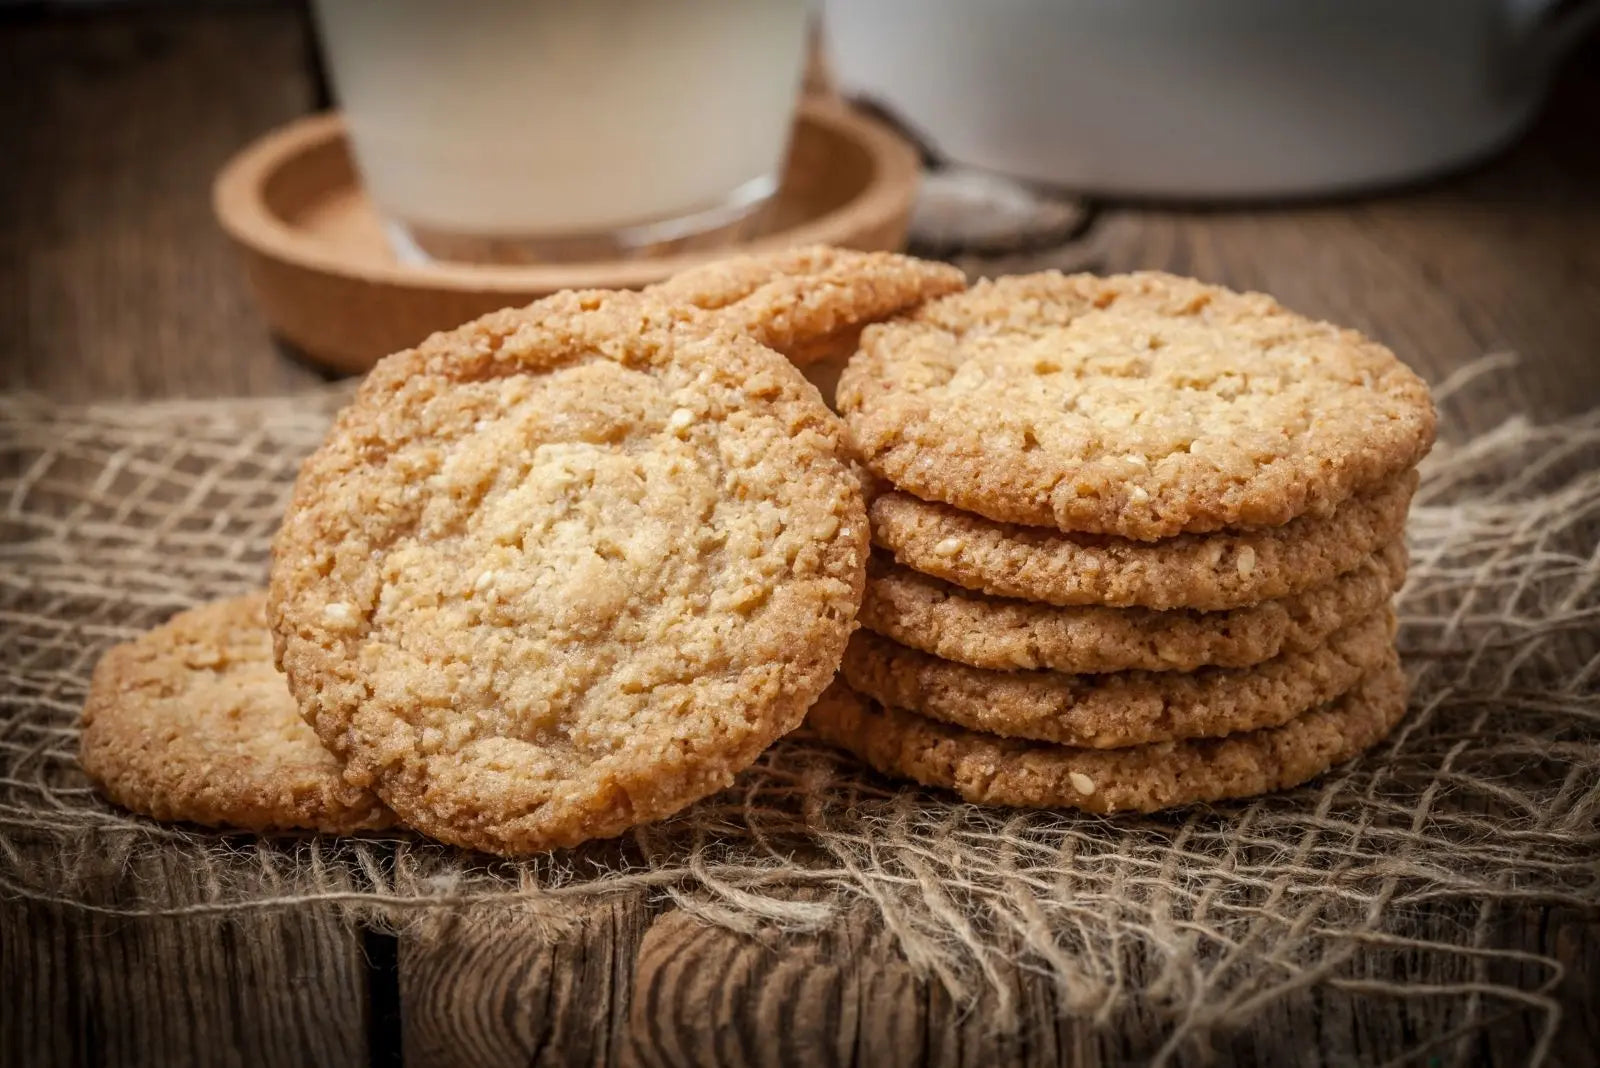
(702, 995)
(114, 282)
(114, 279)
(283, 989)
(845, 997)
(491, 987)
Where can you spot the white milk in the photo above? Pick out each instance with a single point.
(565, 117)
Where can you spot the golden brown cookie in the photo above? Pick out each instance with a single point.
(1140, 405)
(191, 721)
(1005, 635)
(1001, 771)
(1122, 708)
(810, 303)
(1211, 572)
(566, 569)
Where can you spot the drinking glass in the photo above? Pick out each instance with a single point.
(559, 130)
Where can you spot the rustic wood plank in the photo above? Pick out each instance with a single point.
(705, 996)
(496, 991)
(490, 987)
(114, 279)
(285, 988)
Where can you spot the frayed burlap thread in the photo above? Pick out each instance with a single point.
(1486, 799)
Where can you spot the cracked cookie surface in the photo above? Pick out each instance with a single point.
(1140, 405)
(566, 569)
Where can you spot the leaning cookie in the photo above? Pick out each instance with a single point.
(566, 569)
(1006, 635)
(986, 769)
(810, 303)
(1123, 708)
(191, 721)
(1139, 405)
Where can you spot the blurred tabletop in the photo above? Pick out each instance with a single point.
(115, 283)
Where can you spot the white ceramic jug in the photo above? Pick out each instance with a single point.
(1206, 98)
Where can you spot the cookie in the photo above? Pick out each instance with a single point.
(1005, 635)
(566, 569)
(1119, 709)
(1138, 405)
(1000, 771)
(1211, 572)
(810, 303)
(191, 721)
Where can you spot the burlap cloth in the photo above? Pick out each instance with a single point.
(1487, 796)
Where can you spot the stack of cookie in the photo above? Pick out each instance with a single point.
(1137, 541)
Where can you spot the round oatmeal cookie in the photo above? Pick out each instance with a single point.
(1005, 635)
(810, 303)
(1140, 405)
(191, 721)
(1210, 572)
(566, 569)
(985, 769)
(1123, 708)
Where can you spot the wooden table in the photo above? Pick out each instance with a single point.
(115, 283)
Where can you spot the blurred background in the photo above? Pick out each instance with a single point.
(1427, 171)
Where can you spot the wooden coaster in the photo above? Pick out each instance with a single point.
(327, 281)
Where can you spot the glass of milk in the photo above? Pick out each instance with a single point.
(549, 130)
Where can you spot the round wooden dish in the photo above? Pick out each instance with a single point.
(328, 282)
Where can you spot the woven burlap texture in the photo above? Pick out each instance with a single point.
(1487, 796)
